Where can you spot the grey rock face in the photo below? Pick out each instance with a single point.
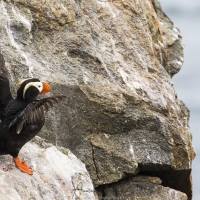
(114, 61)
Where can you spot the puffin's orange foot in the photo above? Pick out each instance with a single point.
(22, 166)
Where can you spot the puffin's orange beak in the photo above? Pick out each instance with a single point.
(46, 87)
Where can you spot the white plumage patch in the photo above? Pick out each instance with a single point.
(19, 84)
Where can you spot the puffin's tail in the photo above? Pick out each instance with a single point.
(5, 94)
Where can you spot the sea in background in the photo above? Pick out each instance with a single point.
(186, 16)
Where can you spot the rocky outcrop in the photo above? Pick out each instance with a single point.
(140, 187)
(114, 61)
(57, 174)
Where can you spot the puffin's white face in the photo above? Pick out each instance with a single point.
(38, 85)
(42, 86)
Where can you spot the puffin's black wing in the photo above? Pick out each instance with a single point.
(5, 94)
(33, 111)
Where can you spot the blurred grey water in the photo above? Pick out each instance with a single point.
(186, 16)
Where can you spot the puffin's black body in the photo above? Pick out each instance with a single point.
(23, 117)
(10, 141)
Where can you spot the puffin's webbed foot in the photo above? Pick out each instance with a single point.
(22, 166)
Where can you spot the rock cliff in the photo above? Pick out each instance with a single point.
(114, 60)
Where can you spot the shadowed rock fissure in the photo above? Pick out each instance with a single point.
(94, 162)
(132, 186)
(176, 179)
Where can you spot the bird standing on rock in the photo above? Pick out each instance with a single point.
(23, 117)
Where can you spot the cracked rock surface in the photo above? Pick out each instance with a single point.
(140, 187)
(114, 60)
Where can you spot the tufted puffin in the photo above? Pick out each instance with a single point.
(23, 117)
